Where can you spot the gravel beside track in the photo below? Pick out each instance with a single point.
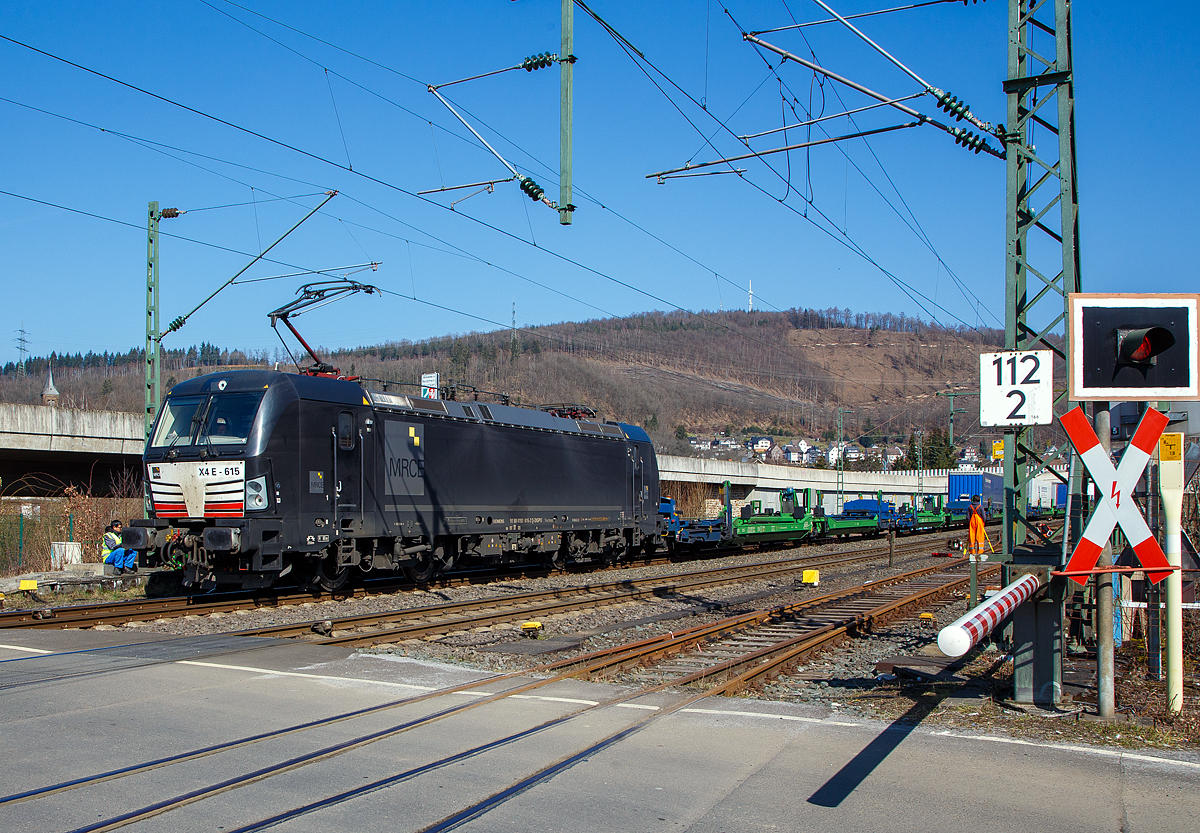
(843, 680)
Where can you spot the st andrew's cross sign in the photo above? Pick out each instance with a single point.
(1115, 485)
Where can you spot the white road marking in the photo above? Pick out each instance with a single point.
(27, 650)
(756, 714)
(554, 699)
(272, 672)
(1104, 753)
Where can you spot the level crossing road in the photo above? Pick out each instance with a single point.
(722, 764)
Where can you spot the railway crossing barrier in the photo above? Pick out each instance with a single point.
(967, 631)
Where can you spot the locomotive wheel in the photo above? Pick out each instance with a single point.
(424, 570)
(331, 577)
(556, 560)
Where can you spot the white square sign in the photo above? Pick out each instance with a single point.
(1016, 388)
(430, 385)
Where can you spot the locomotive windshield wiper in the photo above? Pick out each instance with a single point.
(171, 453)
(198, 420)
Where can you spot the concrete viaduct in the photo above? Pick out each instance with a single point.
(44, 448)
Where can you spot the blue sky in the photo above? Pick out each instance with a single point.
(76, 283)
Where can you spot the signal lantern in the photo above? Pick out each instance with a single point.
(1142, 346)
(1133, 347)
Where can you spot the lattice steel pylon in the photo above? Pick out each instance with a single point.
(1041, 243)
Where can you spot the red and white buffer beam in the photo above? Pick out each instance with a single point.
(1116, 485)
(965, 633)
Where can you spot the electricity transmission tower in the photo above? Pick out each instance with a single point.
(23, 349)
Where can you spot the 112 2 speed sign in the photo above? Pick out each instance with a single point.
(1016, 388)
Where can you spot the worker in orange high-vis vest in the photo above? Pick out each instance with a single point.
(976, 534)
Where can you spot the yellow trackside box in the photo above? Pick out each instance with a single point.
(812, 577)
(28, 584)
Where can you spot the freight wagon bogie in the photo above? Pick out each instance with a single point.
(258, 476)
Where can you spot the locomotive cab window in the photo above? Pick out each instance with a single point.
(345, 431)
(220, 419)
(178, 421)
(230, 417)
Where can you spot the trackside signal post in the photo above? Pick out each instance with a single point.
(1137, 348)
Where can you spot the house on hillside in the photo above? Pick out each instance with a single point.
(835, 451)
(761, 445)
(892, 455)
(775, 454)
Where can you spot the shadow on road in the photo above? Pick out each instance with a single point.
(834, 791)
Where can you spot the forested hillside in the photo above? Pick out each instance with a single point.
(785, 371)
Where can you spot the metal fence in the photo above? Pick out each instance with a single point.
(25, 541)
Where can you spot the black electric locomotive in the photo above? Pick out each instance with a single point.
(253, 476)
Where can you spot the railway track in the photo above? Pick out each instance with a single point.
(734, 653)
(416, 623)
(121, 612)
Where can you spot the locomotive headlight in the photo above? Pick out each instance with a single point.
(256, 493)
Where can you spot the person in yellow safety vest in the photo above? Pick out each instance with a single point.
(975, 531)
(111, 551)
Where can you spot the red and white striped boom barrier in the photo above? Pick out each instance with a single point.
(964, 633)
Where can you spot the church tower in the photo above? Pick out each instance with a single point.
(50, 393)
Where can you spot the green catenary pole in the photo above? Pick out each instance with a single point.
(566, 69)
(1041, 177)
(153, 383)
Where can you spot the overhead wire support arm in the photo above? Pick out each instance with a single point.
(809, 23)
(948, 102)
(960, 135)
(181, 320)
(340, 271)
(663, 177)
(527, 184)
(860, 134)
(486, 182)
(539, 61)
(840, 115)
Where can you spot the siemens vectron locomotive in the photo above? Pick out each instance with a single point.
(254, 476)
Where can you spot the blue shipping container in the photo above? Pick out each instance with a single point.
(962, 486)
